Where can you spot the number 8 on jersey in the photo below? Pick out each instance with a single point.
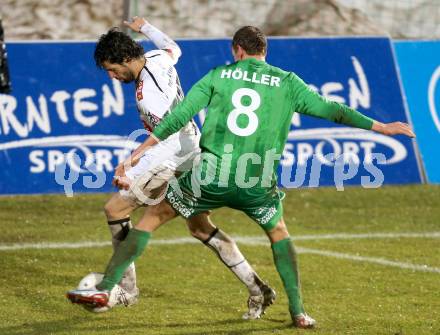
(246, 110)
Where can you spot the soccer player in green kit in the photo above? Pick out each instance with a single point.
(250, 105)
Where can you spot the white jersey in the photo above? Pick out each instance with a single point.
(158, 91)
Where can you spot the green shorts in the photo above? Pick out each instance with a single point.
(263, 205)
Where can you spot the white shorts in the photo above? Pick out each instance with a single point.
(150, 177)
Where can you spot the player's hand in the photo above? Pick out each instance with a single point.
(393, 128)
(123, 183)
(120, 170)
(136, 23)
(120, 180)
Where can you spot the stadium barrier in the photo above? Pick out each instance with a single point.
(420, 73)
(66, 115)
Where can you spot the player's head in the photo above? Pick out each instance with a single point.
(249, 41)
(115, 51)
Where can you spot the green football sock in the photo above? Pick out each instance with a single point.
(127, 251)
(287, 266)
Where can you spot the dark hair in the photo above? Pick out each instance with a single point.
(116, 47)
(251, 39)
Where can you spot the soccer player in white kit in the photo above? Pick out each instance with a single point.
(158, 90)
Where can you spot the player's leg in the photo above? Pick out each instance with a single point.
(148, 184)
(260, 295)
(126, 253)
(268, 213)
(117, 210)
(145, 184)
(202, 228)
(286, 263)
(135, 243)
(195, 211)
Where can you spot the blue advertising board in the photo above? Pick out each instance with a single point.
(362, 74)
(419, 65)
(61, 108)
(66, 115)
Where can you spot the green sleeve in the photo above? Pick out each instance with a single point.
(306, 101)
(197, 98)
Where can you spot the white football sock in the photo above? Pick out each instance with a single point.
(228, 252)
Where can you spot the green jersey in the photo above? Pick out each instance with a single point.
(249, 111)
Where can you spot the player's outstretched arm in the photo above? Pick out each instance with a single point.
(198, 97)
(119, 178)
(160, 39)
(308, 102)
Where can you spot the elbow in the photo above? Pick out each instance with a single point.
(176, 52)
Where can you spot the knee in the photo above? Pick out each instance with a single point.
(167, 213)
(197, 232)
(281, 228)
(163, 212)
(279, 232)
(109, 211)
(200, 228)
